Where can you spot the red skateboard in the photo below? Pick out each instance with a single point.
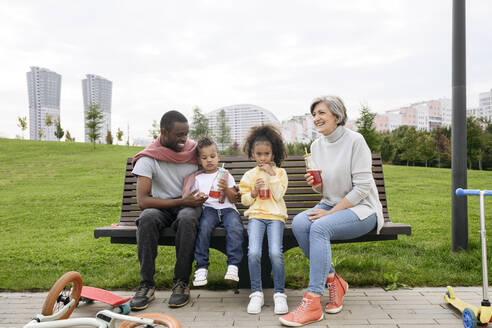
(91, 294)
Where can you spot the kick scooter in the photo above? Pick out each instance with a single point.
(472, 315)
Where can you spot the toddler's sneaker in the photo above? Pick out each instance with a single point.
(307, 312)
(232, 273)
(256, 301)
(200, 277)
(337, 288)
(280, 301)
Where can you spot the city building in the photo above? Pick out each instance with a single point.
(424, 115)
(485, 105)
(43, 88)
(97, 90)
(299, 129)
(240, 118)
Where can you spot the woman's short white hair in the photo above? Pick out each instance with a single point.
(335, 105)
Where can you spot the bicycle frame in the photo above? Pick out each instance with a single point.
(103, 319)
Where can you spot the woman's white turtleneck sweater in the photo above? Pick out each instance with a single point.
(345, 161)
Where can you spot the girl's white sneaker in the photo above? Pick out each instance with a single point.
(280, 301)
(256, 301)
(200, 277)
(232, 273)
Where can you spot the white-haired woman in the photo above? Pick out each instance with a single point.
(350, 207)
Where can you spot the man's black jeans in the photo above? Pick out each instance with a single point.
(152, 221)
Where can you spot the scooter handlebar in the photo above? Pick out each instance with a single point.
(472, 192)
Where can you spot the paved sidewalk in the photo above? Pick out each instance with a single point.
(363, 307)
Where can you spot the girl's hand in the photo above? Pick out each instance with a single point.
(266, 168)
(317, 213)
(258, 184)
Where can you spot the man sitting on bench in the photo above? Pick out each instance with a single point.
(161, 169)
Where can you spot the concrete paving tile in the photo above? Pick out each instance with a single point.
(414, 321)
(403, 301)
(378, 321)
(331, 325)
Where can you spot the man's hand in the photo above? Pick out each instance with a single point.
(194, 199)
(237, 195)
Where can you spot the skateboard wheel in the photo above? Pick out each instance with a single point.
(469, 318)
(124, 308)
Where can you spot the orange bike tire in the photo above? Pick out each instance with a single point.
(159, 318)
(50, 301)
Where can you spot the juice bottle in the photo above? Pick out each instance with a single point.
(214, 190)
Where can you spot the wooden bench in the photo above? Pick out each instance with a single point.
(299, 196)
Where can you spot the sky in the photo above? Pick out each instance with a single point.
(279, 55)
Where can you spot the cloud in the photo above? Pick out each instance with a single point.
(279, 55)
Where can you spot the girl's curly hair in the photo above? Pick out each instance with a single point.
(266, 133)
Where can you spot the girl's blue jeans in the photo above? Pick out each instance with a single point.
(314, 238)
(275, 235)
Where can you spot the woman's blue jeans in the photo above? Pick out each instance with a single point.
(314, 238)
(275, 235)
(229, 219)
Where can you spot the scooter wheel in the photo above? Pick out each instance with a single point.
(469, 318)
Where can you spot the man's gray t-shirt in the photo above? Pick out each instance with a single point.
(167, 178)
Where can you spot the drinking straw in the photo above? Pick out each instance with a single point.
(305, 150)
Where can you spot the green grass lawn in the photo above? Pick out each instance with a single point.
(53, 195)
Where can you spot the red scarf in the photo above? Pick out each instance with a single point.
(158, 151)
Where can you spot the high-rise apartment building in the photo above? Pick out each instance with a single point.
(240, 118)
(485, 105)
(97, 91)
(43, 88)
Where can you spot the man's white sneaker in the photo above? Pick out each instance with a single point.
(280, 301)
(232, 273)
(256, 301)
(200, 277)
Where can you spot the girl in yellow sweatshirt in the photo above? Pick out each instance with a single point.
(262, 189)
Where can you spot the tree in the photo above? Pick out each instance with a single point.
(156, 130)
(68, 137)
(425, 147)
(109, 138)
(94, 119)
(59, 131)
(365, 126)
(48, 121)
(409, 146)
(199, 125)
(119, 135)
(40, 134)
(22, 124)
(224, 134)
(387, 148)
(473, 140)
(442, 145)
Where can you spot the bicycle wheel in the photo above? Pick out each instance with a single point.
(65, 289)
(160, 320)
